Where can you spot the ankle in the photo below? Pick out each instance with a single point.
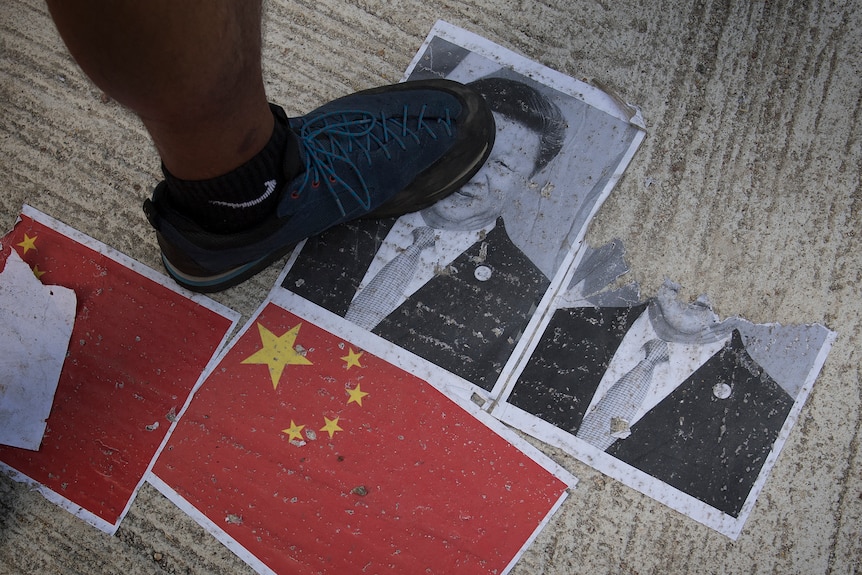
(245, 196)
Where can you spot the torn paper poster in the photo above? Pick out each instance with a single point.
(471, 275)
(307, 452)
(35, 325)
(663, 395)
(138, 347)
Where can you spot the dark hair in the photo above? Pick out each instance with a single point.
(527, 106)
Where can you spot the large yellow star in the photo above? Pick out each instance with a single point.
(28, 243)
(294, 431)
(277, 352)
(352, 358)
(356, 394)
(331, 426)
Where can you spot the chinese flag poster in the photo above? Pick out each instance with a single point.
(137, 349)
(305, 453)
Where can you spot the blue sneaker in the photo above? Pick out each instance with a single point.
(377, 153)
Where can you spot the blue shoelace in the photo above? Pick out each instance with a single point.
(330, 139)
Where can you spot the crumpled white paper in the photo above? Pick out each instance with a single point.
(35, 326)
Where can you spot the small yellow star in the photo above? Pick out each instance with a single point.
(356, 394)
(331, 426)
(277, 352)
(294, 431)
(28, 243)
(38, 273)
(352, 358)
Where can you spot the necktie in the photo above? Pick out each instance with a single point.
(384, 292)
(609, 420)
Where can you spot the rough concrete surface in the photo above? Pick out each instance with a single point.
(746, 188)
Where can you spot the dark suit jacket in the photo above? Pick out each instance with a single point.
(711, 448)
(456, 321)
(331, 266)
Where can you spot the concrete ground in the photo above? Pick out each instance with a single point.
(747, 188)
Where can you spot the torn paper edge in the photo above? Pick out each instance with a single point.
(63, 301)
(644, 483)
(594, 96)
(161, 279)
(677, 500)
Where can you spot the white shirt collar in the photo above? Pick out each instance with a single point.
(448, 246)
(684, 360)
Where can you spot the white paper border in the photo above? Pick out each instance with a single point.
(137, 267)
(636, 479)
(340, 327)
(508, 59)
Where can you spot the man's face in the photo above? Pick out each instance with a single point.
(480, 201)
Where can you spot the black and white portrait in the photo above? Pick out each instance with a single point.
(663, 394)
(458, 283)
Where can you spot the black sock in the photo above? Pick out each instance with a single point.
(245, 196)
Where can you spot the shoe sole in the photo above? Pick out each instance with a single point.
(227, 279)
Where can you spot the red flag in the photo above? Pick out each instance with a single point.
(136, 351)
(315, 456)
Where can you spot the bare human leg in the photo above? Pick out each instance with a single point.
(190, 70)
(243, 182)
